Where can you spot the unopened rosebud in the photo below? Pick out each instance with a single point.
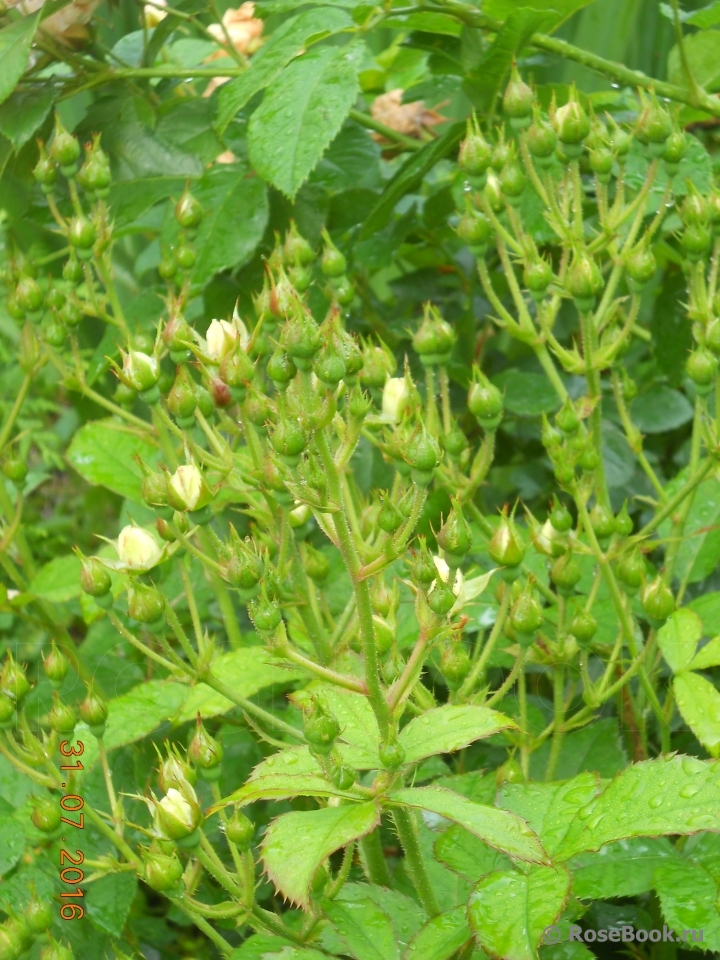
(316, 564)
(565, 574)
(140, 371)
(702, 368)
(289, 440)
(281, 369)
(94, 578)
(265, 614)
(396, 398)
(485, 401)
(654, 126)
(296, 248)
(13, 682)
(435, 338)
(46, 814)
(640, 267)
(137, 549)
(65, 150)
(62, 717)
(55, 666)
(506, 547)
(455, 536)
(583, 626)
(475, 230)
(657, 601)
(541, 140)
(161, 871)
(538, 276)
(38, 914)
(526, 615)
(187, 490)
(389, 519)
(518, 100)
(205, 753)
(333, 263)
(177, 336)
(422, 454)
(302, 339)
(378, 365)
(475, 154)
(423, 568)
(240, 831)
(175, 772)
(145, 604)
(178, 813)
(188, 211)
(181, 400)
(583, 281)
(321, 730)
(572, 125)
(94, 711)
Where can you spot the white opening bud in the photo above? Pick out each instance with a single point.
(395, 398)
(137, 549)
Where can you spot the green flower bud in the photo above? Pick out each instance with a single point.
(475, 153)
(94, 175)
(296, 248)
(695, 209)
(675, 149)
(15, 938)
(384, 634)
(567, 419)
(583, 626)
(176, 337)
(440, 597)
(601, 161)
(518, 100)
(526, 614)
(475, 230)
(389, 519)
(178, 813)
(333, 263)
(537, 276)
(65, 150)
(154, 489)
(281, 369)
(188, 211)
(62, 717)
(695, 241)
(46, 814)
(316, 564)
(343, 777)
(712, 336)
(205, 753)
(485, 401)
(38, 914)
(640, 267)
(423, 569)
(13, 682)
(265, 614)
(145, 604)
(565, 574)
(175, 772)
(181, 400)
(139, 370)
(29, 296)
(94, 711)
(44, 172)
(541, 140)
(187, 490)
(168, 267)
(15, 469)
(654, 126)
(162, 872)
(289, 440)
(321, 729)
(186, 255)
(422, 454)
(623, 522)
(455, 536)
(392, 755)
(572, 124)
(506, 547)
(329, 366)
(55, 666)
(72, 269)
(630, 571)
(702, 368)
(503, 152)
(583, 281)
(56, 951)
(70, 313)
(512, 181)
(240, 830)
(657, 601)
(602, 522)
(344, 291)
(7, 712)
(378, 365)
(434, 340)
(82, 235)
(243, 568)
(455, 665)
(560, 517)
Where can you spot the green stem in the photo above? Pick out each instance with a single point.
(372, 124)
(478, 668)
(373, 859)
(407, 832)
(559, 717)
(12, 416)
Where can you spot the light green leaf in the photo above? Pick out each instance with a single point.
(296, 843)
(15, 40)
(660, 409)
(364, 927)
(245, 670)
(58, 581)
(699, 704)
(450, 728)
(301, 113)
(509, 911)
(468, 855)
(707, 656)
(704, 17)
(501, 830)
(109, 900)
(556, 9)
(426, 22)
(699, 550)
(405, 914)
(130, 199)
(597, 747)
(23, 112)
(622, 869)
(549, 808)
(703, 54)
(688, 897)
(261, 946)
(102, 453)
(673, 795)
(441, 937)
(707, 607)
(284, 44)
(12, 843)
(678, 638)
(236, 213)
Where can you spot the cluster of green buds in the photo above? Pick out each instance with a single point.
(19, 932)
(321, 730)
(180, 257)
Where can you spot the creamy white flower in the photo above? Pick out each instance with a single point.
(176, 805)
(220, 339)
(153, 15)
(187, 485)
(137, 549)
(394, 398)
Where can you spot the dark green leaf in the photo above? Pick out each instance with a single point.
(102, 453)
(526, 394)
(301, 113)
(364, 927)
(297, 843)
(352, 162)
(441, 937)
(108, 902)
(285, 43)
(699, 550)
(597, 747)
(15, 40)
(467, 855)
(58, 581)
(660, 409)
(509, 911)
(688, 896)
(622, 869)
(23, 112)
(130, 199)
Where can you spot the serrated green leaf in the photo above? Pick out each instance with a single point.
(702, 51)
(235, 216)
(441, 937)
(12, 843)
(302, 111)
(284, 44)
(450, 728)
(58, 581)
(108, 902)
(699, 704)
(102, 453)
(707, 607)
(15, 40)
(549, 808)
(622, 869)
(23, 112)
(261, 946)
(500, 9)
(707, 656)
(405, 914)
(501, 830)
(296, 843)
(688, 897)
(509, 911)
(468, 855)
(408, 177)
(678, 638)
(364, 927)
(597, 748)
(672, 795)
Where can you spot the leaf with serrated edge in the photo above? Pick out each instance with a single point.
(301, 113)
(450, 728)
(467, 855)
(672, 795)
(498, 828)
(549, 808)
(678, 638)
(688, 897)
(698, 701)
(708, 656)
(15, 40)
(621, 869)
(441, 937)
(297, 843)
(509, 911)
(364, 927)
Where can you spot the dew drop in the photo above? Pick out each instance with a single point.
(585, 812)
(656, 802)
(689, 791)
